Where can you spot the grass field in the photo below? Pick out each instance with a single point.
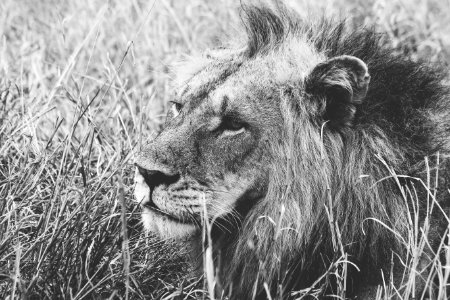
(82, 84)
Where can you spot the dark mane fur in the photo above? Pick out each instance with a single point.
(404, 118)
(400, 88)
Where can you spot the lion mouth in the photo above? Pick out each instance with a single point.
(150, 205)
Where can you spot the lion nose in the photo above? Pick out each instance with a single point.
(154, 178)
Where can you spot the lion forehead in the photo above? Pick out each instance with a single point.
(186, 69)
(218, 78)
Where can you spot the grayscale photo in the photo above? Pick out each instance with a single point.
(225, 149)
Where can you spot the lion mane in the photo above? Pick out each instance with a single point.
(325, 176)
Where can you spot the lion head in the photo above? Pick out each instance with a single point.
(274, 141)
(212, 155)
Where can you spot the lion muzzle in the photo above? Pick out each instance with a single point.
(149, 180)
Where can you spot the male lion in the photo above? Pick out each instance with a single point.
(290, 145)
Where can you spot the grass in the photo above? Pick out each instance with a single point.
(82, 84)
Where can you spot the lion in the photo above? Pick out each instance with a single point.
(289, 146)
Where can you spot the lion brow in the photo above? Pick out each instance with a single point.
(224, 104)
(197, 96)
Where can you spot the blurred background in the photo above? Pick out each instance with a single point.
(82, 84)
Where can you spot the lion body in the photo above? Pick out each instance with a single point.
(311, 183)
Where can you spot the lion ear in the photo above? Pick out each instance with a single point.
(342, 83)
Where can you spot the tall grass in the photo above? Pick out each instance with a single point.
(82, 85)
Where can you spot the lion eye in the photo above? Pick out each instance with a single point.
(232, 127)
(175, 108)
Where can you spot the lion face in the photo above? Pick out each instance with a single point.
(228, 117)
(210, 160)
